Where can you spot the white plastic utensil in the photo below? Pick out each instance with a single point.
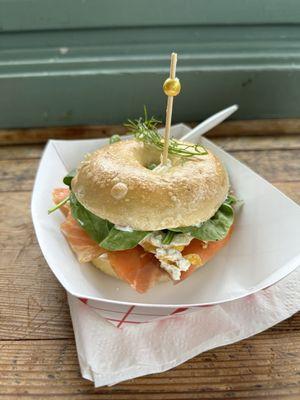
(210, 122)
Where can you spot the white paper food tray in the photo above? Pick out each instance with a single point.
(264, 247)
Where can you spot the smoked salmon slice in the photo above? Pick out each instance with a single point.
(58, 195)
(85, 248)
(137, 267)
(205, 253)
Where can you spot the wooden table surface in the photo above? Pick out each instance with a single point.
(37, 350)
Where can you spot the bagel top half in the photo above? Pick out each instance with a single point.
(114, 183)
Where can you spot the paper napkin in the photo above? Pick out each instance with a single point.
(109, 355)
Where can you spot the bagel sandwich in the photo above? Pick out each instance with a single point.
(143, 222)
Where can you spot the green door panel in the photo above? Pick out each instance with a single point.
(99, 61)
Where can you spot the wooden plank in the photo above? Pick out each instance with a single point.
(246, 143)
(17, 175)
(22, 249)
(259, 127)
(229, 143)
(274, 165)
(274, 127)
(22, 151)
(41, 135)
(33, 303)
(266, 366)
(251, 369)
(291, 189)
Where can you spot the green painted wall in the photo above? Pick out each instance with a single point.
(65, 62)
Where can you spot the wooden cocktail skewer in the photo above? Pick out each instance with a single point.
(171, 88)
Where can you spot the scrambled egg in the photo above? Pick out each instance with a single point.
(169, 255)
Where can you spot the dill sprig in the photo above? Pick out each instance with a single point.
(145, 130)
(57, 206)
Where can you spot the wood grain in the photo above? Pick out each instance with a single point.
(271, 127)
(229, 143)
(17, 152)
(38, 357)
(39, 310)
(254, 368)
(267, 127)
(17, 175)
(246, 143)
(40, 135)
(274, 165)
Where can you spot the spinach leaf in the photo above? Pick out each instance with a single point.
(216, 228)
(122, 240)
(103, 231)
(96, 227)
(68, 178)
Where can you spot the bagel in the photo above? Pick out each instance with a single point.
(118, 184)
(115, 184)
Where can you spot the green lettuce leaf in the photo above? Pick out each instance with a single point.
(113, 239)
(68, 178)
(103, 231)
(217, 227)
(96, 227)
(122, 240)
